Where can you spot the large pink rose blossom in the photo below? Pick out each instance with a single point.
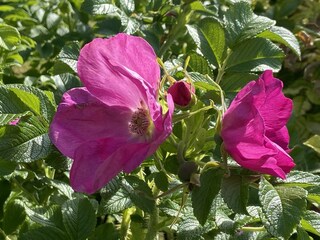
(254, 128)
(114, 122)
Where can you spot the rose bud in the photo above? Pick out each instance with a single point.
(181, 92)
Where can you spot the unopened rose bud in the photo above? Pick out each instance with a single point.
(181, 92)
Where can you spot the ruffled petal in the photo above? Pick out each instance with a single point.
(81, 117)
(243, 130)
(277, 108)
(97, 162)
(280, 137)
(109, 68)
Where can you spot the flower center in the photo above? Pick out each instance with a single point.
(140, 122)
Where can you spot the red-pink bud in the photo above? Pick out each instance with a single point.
(181, 93)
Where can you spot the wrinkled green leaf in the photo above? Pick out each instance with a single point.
(283, 208)
(242, 24)
(79, 218)
(311, 222)
(27, 141)
(284, 36)
(47, 233)
(210, 39)
(255, 55)
(234, 191)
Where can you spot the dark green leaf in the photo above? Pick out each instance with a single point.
(27, 141)
(190, 229)
(44, 233)
(202, 197)
(161, 181)
(140, 193)
(203, 82)
(98, 7)
(79, 218)
(241, 23)
(6, 167)
(118, 202)
(284, 36)
(14, 216)
(199, 64)
(210, 40)
(103, 230)
(255, 55)
(234, 191)
(69, 55)
(283, 208)
(233, 82)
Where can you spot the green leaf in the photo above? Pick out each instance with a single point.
(98, 7)
(203, 81)
(225, 223)
(242, 24)
(202, 197)
(199, 64)
(255, 55)
(302, 234)
(311, 222)
(7, 167)
(65, 82)
(235, 193)
(11, 103)
(127, 5)
(26, 142)
(189, 228)
(283, 208)
(47, 233)
(209, 37)
(14, 216)
(314, 143)
(5, 119)
(284, 36)
(69, 55)
(161, 181)
(301, 179)
(103, 230)
(233, 82)
(140, 193)
(118, 202)
(79, 218)
(9, 37)
(29, 99)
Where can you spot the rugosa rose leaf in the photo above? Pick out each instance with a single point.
(114, 122)
(254, 128)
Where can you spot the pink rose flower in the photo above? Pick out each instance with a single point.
(181, 93)
(254, 128)
(114, 122)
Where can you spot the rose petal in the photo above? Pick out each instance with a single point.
(97, 162)
(106, 67)
(81, 117)
(277, 108)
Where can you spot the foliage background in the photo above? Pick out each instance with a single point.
(39, 47)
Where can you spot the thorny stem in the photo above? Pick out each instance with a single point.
(125, 223)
